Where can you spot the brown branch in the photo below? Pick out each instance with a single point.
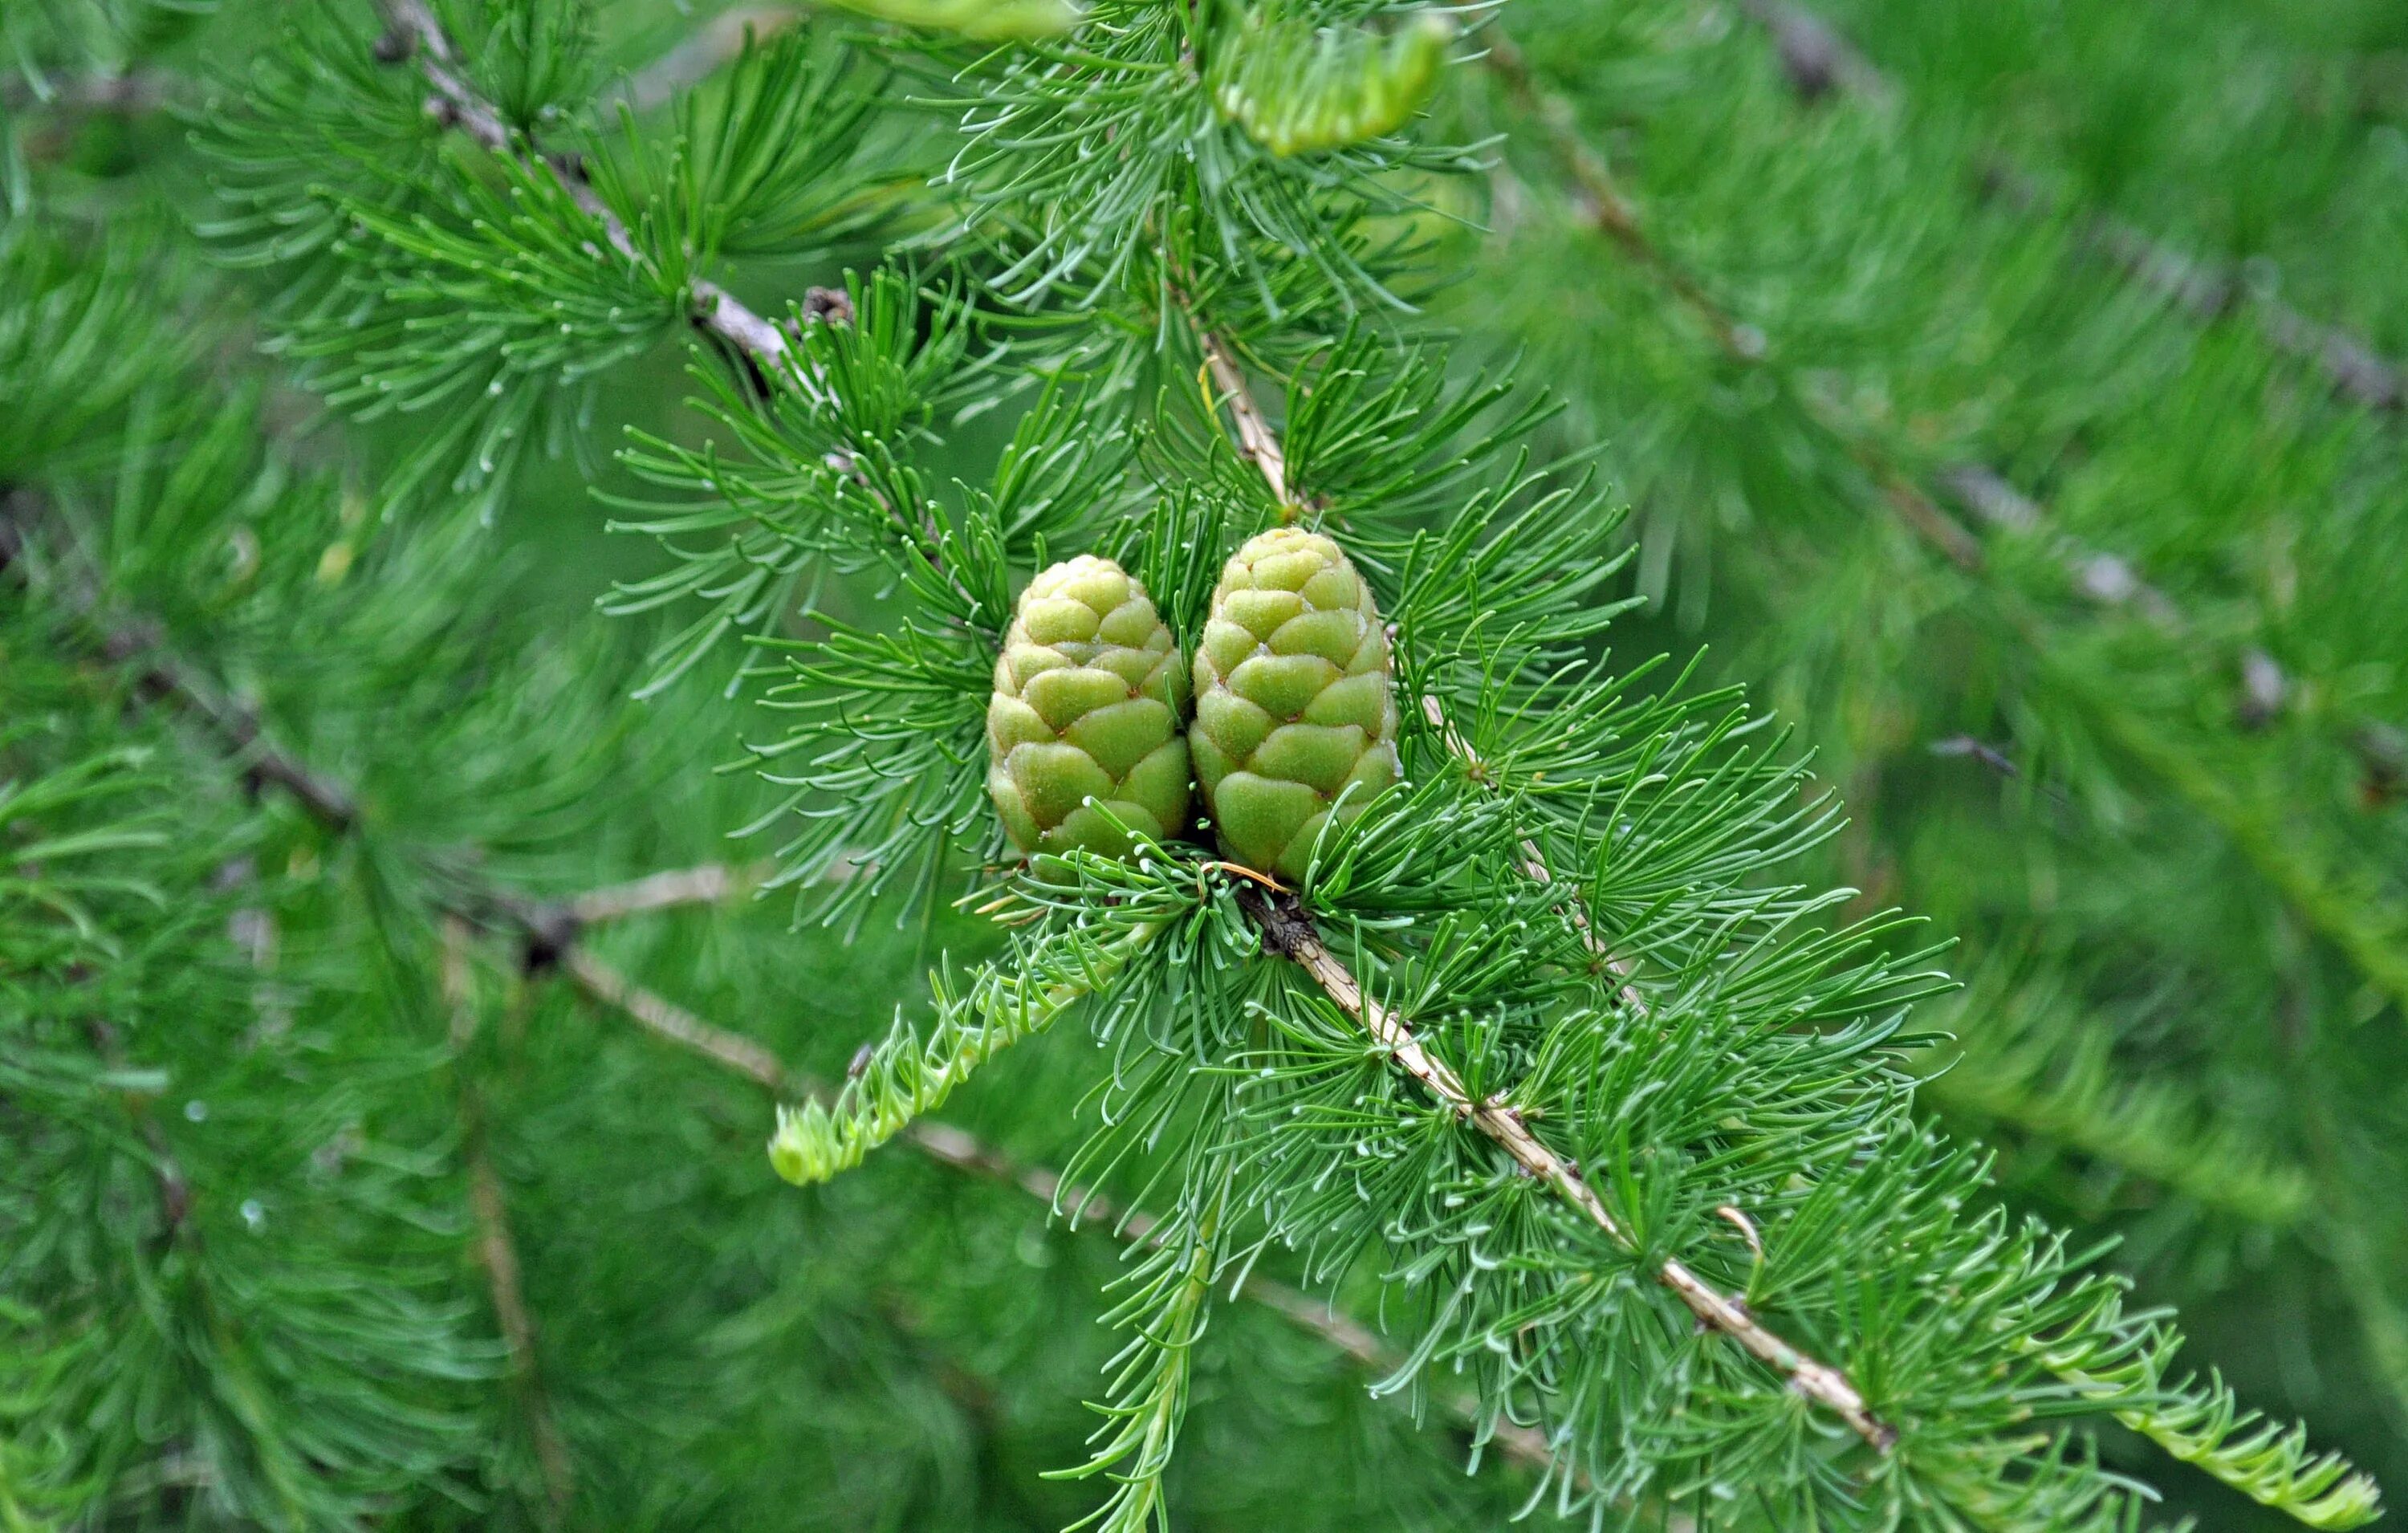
(1820, 61)
(497, 1253)
(702, 56)
(707, 884)
(671, 1021)
(1918, 511)
(2104, 578)
(1816, 57)
(2211, 291)
(1600, 202)
(761, 347)
(414, 29)
(964, 1152)
(1288, 931)
(1534, 867)
(547, 933)
(160, 675)
(238, 723)
(1257, 442)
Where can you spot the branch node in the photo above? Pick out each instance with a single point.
(829, 305)
(549, 930)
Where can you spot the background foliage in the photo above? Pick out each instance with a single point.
(1998, 393)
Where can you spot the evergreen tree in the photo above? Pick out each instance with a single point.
(1532, 1093)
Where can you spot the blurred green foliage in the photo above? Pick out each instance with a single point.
(2178, 900)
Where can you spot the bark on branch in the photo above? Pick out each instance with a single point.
(671, 1021)
(1255, 440)
(759, 346)
(496, 1252)
(964, 1152)
(1990, 497)
(1820, 61)
(159, 675)
(415, 32)
(709, 885)
(1290, 932)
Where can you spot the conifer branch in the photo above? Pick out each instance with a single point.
(238, 724)
(666, 1018)
(1799, 1082)
(2355, 916)
(160, 675)
(2378, 946)
(1150, 1378)
(764, 350)
(2354, 369)
(1350, 1338)
(703, 54)
(541, 925)
(2017, 1070)
(1533, 860)
(2102, 577)
(1600, 202)
(546, 931)
(965, 1152)
(905, 1075)
(1534, 867)
(1255, 440)
(496, 1252)
(711, 884)
(415, 33)
(1288, 931)
(554, 929)
(1818, 60)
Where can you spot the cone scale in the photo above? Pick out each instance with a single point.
(1090, 694)
(1294, 699)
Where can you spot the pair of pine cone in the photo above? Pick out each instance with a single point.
(1295, 704)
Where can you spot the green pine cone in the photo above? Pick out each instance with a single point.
(1295, 698)
(1089, 695)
